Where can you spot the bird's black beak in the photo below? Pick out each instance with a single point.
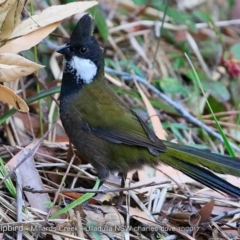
(65, 51)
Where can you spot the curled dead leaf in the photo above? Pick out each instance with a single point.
(194, 219)
(10, 97)
(11, 17)
(13, 66)
(5, 8)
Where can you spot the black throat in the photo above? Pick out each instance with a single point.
(70, 82)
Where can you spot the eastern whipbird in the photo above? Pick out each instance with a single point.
(111, 136)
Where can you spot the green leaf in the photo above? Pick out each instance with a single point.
(210, 49)
(8, 182)
(78, 201)
(178, 63)
(235, 50)
(100, 21)
(218, 90)
(172, 85)
(203, 16)
(110, 63)
(234, 88)
(131, 66)
(231, 3)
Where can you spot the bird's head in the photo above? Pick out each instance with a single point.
(84, 56)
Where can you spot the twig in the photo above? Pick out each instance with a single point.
(225, 214)
(177, 106)
(94, 191)
(19, 202)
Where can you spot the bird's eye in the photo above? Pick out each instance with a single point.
(83, 50)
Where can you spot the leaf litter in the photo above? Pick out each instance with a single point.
(178, 208)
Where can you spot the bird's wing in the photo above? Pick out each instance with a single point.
(133, 132)
(130, 138)
(109, 118)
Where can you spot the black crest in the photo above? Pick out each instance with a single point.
(83, 30)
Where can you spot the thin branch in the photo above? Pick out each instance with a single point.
(169, 26)
(226, 214)
(63, 190)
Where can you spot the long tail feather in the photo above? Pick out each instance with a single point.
(192, 161)
(208, 179)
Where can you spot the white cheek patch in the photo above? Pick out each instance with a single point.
(85, 69)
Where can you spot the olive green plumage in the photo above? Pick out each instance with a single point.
(111, 136)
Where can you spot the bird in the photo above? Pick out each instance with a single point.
(111, 136)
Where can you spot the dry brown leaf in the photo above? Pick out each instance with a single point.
(5, 7)
(12, 19)
(7, 11)
(13, 66)
(177, 218)
(51, 15)
(27, 41)
(8, 96)
(206, 211)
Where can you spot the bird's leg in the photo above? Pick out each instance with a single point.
(123, 180)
